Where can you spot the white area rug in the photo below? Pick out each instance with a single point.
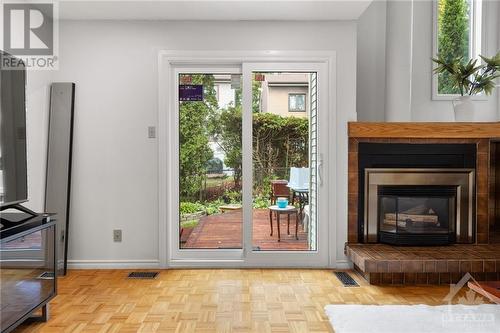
(484, 318)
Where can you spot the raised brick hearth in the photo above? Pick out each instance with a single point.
(386, 264)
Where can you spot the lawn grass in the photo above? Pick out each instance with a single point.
(189, 224)
(218, 181)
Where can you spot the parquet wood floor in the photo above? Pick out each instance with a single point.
(212, 300)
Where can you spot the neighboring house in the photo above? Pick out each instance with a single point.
(286, 94)
(223, 90)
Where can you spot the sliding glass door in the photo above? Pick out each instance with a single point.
(210, 210)
(284, 197)
(250, 187)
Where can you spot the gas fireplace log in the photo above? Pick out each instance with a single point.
(419, 210)
(401, 224)
(412, 217)
(404, 222)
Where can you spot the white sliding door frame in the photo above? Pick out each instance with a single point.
(291, 258)
(170, 64)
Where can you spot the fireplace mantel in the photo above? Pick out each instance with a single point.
(424, 130)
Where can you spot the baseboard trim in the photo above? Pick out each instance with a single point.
(343, 264)
(155, 264)
(114, 264)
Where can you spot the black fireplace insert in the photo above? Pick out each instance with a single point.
(417, 215)
(410, 156)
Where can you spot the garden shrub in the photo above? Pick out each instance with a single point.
(261, 201)
(190, 207)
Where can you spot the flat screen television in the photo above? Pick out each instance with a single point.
(13, 165)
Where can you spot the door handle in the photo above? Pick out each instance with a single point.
(320, 169)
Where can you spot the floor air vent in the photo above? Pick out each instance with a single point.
(346, 279)
(143, 275)
(46, 276)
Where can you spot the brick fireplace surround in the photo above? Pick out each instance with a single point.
(387, 264)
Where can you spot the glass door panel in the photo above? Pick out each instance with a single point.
(284, 161)
(210, 201)
(285, 127)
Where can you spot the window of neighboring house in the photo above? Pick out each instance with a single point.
(457, 33)
(297, 102)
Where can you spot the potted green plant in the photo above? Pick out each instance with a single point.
(470, 79)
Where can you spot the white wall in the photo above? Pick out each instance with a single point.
(408, 68)
(114, 66)
(398, 61)
(370, 101)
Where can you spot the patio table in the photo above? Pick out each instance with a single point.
(288, 210)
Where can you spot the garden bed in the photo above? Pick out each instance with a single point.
(192, 216)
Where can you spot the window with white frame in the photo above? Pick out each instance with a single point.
(297, 102)
(457, 33)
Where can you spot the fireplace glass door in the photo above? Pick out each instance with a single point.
(417, 215)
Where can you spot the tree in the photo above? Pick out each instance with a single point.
(194, 128)
(278, 142)
(256, 94)
(227, 132)
(453, 37)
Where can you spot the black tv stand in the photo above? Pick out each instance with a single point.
(19, 207)
(31, 281)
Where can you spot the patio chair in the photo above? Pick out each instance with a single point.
(299, 178)
(306, 219)
(279, 188)
(299, 184)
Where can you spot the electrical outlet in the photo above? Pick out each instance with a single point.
(117, 235)
(151, 132)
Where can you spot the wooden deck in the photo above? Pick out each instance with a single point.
(223, 231)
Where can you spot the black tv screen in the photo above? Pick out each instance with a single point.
(13, 168)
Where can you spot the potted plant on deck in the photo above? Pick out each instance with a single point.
(469, 79)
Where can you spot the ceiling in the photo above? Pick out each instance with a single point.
(210, 10)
